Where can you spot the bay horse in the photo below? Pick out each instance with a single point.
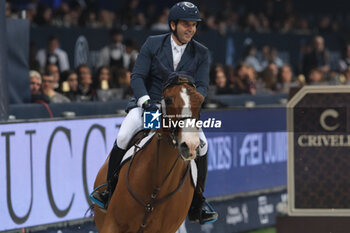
(154, 190)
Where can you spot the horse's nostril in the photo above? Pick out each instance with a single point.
(184, 146)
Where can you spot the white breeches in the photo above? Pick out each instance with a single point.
(133, 123)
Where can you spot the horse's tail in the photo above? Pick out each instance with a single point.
(90, 211)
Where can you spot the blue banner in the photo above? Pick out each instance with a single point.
(248, 153)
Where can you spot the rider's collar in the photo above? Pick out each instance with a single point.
(174, 45)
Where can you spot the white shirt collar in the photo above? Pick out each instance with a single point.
(178, 48)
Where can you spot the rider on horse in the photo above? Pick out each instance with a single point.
(177, 50)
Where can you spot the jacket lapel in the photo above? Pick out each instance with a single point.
(168, 53)
(185, 57)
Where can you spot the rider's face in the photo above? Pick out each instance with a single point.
(185, 30)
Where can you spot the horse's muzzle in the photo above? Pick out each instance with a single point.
(186, 153)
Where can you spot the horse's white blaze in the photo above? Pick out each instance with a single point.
(189, 135)
(163, 107)
(186, 109)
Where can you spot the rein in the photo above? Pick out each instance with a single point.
(153, 202)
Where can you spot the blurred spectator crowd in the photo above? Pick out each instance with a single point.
(266, 72)
(246, 16)
(52, 80)
(257, 72)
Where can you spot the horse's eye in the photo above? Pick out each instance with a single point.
(168, 100)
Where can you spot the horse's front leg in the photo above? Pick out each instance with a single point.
(110, 226)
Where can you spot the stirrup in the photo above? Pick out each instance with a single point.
(203, 214)
(211, 210)
(96, 201)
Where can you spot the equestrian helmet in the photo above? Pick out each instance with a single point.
(184, 11)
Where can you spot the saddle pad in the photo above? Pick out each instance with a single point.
(143, 143)
(138, 146)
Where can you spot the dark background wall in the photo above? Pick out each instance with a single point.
(3, 84)
(17, 34)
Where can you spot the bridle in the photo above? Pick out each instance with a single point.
(167, 101)
(153, 202)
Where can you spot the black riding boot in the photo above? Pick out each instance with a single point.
(199, 210)
(115, 158)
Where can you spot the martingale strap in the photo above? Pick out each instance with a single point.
(153, 201)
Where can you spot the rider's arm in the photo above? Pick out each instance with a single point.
(202, 74)
(140, 72)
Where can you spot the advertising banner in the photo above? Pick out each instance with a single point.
(241, 214)
(47, 168)
(244, 214)
(243, 162)
(318, 155)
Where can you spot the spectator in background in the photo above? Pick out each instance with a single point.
(35, 88)
(105, 85)
(270, 55)
(43, 16)
(221, 83)
(123, 77)
(103, 79)
(252, 79)
(130, 54)
(112, 54)
(285, 80)
(251, 59)
(35, 82)
(264, 59)
(48, 89)
(162, 22)
(347, 76)
(62, 16)
(69, 85)
(85, 83)
(239, 80)
(53, 55)
(317, 58)
(268, 80)
(316, 77)
(274, 58)
(53, 69)
(344, 63)
(33, 63)
(88, 18)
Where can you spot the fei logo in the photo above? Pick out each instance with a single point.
(151, 120)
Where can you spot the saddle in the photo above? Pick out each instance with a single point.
(138, 137)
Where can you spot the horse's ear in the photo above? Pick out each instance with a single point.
(165, 72)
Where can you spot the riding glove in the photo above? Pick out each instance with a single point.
(150, 106)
